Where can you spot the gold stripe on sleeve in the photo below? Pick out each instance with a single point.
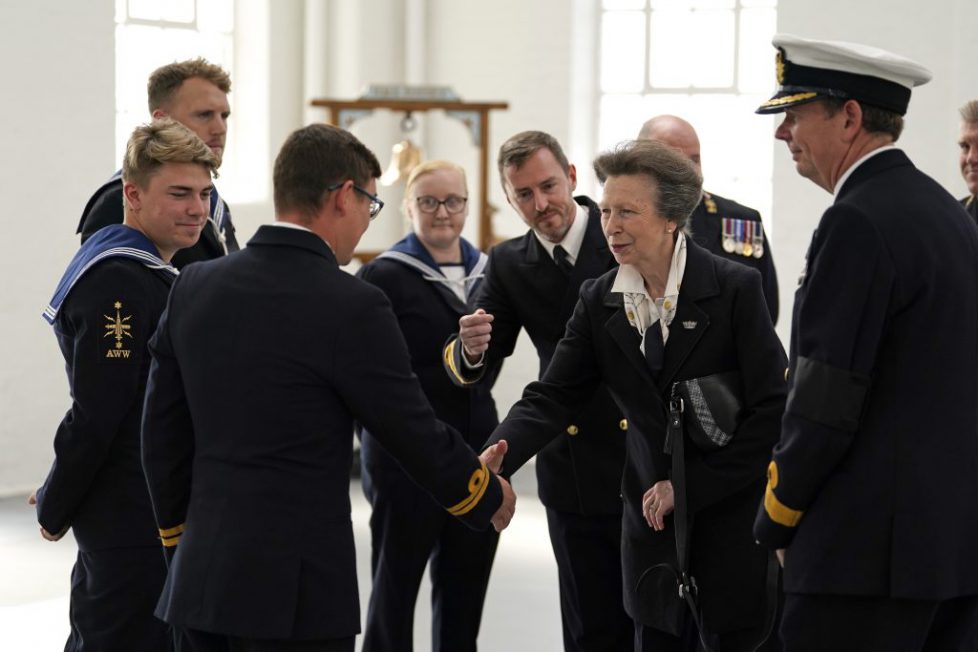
(450, 362)
(776, 510)
(478, 482)
(173, 531)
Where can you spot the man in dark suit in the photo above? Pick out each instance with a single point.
(104, 311)
(195, 94)
(968, 142)
(262, 363)
(871, 493)
(533, 282)
(722, 226)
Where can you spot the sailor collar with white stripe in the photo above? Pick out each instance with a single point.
(411, 252)
(113, 241)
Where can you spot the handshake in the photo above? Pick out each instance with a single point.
(493, 459)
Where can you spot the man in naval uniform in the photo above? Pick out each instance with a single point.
(871, 494)
(104, 311)
(195, 94)
(533, 282)
(262, 363)
(968, 143)
(720, 225)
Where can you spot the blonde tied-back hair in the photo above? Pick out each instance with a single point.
(426, 167)
(163, 141)
(969, 112)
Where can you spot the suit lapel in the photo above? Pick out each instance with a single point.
(691, 321)
(626, 336)
(593, 260)
(545, 281)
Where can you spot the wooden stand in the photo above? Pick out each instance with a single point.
(474, 115)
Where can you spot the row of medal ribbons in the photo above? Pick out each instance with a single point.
(743, 237)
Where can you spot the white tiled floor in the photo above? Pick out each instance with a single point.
(521, 612)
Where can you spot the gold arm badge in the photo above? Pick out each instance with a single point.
(118, 328)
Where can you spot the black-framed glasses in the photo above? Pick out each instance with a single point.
(453, 204)
(376, 203)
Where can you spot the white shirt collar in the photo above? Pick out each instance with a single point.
(574, 237)
(852, 168)
(643, 310)
(293, 225)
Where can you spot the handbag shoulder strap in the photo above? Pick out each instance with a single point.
(683, 523)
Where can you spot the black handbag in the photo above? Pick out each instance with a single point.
(712, 408)
(708, 410)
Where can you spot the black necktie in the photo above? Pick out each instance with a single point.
(560, 258)
(654, 348)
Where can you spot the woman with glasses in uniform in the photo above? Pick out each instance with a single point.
(428, 276)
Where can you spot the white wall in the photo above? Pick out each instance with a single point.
(58, 113)
(59, 137)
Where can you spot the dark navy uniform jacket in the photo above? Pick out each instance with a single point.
(971, 205)
(428, 312)
(707, 223)
(96, 484)
(581, 471)
(261, 363)
(873, 484)
(720, 325)
(105, 207)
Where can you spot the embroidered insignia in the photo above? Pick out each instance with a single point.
(118, 328)
(711, 206)
(779, 66)
(689, 325)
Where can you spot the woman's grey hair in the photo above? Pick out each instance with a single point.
(678, 184)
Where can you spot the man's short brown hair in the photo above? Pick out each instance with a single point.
(314, 158)
(875, 119)
(159, 142)
(166, 80)
(523, 145)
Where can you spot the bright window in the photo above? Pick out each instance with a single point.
(153, 33)
(707, 61)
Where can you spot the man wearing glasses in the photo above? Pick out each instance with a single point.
(533, 282)
(262, 363)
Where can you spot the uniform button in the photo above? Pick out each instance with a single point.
(623, 424)
(786, 373)
(572, 430)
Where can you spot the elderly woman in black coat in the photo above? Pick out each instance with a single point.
(670, 318)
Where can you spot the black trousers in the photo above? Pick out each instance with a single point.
(113, 595)
(409, 531)
(588, 552)
(842, 623)
(192, 640)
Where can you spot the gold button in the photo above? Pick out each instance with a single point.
(667, 305)
(623, 424)
(572, 430)
(786, 373)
